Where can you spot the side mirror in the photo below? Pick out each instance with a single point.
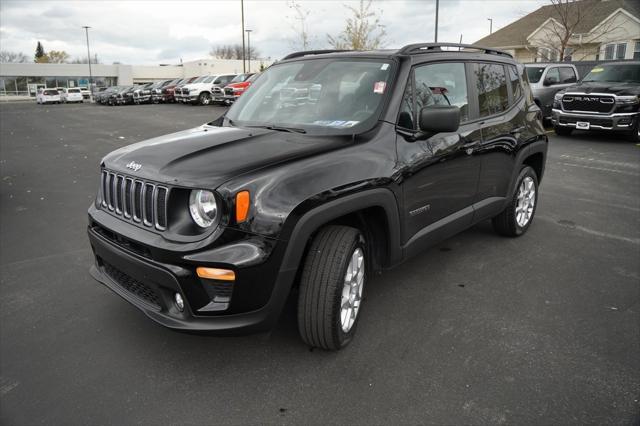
(439, 119)
(550, 81)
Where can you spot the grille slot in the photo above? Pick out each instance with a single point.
(135, 200)
(133, 286)
(148, 204)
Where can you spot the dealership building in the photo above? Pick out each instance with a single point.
(24, 79)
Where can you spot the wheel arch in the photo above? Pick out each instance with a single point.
(374, 212)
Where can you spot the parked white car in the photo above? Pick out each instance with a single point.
(71, 95)
(86, 94)
(51, 96)
(201, 90)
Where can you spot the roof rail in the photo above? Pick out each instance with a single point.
(311, 52)
(417, 48)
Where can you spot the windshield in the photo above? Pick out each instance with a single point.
(209, 79)
(318, 95)
(534, 73)
(617, 73)
(199, 79)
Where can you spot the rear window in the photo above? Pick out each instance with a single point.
(51, 92)
(493, 97)
(73, 90)
(534, 74)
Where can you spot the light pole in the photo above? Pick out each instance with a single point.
(86, 31)
(490, 25)
(244, 69)
(437, 7)
(248, 49)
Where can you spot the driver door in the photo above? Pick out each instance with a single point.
(441, 172)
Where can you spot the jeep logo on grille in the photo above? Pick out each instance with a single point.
(134, 166)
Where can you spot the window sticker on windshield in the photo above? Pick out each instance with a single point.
(384, 67)
(379, 87)
(597, 70)
(335, 123)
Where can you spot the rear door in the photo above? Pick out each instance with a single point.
(440, 173)
(502, 115)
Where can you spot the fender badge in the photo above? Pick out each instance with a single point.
(134, 166)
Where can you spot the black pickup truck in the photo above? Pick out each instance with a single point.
(608, 99)
(334, 165)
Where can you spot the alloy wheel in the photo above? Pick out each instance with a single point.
(352, 290)
(526, 201)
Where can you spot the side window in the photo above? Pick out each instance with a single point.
(435, 84)
(516, 88)
(567, 75)
(553, 76)
(491, 81)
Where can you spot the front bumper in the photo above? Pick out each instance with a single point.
(150, 284)
(613, 122)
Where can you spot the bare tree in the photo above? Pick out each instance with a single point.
(58, 56)
(7, 57)
(563, 36)
(298, 23)
(233, 51)
(363, 30)
(82, 60)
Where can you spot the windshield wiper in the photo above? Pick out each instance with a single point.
(279, 128)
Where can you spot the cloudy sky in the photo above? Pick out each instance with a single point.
(151, 32)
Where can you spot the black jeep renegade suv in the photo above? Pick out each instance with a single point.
(332, 166)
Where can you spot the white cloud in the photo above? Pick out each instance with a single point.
(145, 32)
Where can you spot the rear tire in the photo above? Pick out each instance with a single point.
(562, 131)
(331, 284)
(516, 218)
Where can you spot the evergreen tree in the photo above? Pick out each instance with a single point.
(41, 56)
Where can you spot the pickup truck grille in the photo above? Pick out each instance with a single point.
(588, 103)
(135, 200)
(217, 91)
(228, 91)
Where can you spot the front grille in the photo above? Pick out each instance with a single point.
(217, 90)
(228, 91)
(588, 103)
(133, 286)
(134, 199)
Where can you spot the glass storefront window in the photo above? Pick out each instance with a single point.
(50, 82)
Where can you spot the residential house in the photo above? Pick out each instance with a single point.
(578, 31)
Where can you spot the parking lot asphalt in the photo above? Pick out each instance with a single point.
(543, 329)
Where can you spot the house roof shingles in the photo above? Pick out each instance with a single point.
(516, 33)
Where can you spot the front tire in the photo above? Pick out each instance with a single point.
(516, 218)
(562, 131)
(331, 285)
(633, 135)
(204, 98)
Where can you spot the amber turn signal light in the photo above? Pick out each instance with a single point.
(242, 206)
(216, 274)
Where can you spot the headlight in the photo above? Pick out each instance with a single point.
(203, 207)
(558, 96)
(628, 100)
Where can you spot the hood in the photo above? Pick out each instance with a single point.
(208, 156)
(240, 84)
(608, 87)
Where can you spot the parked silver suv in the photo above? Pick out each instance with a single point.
(548, 79)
